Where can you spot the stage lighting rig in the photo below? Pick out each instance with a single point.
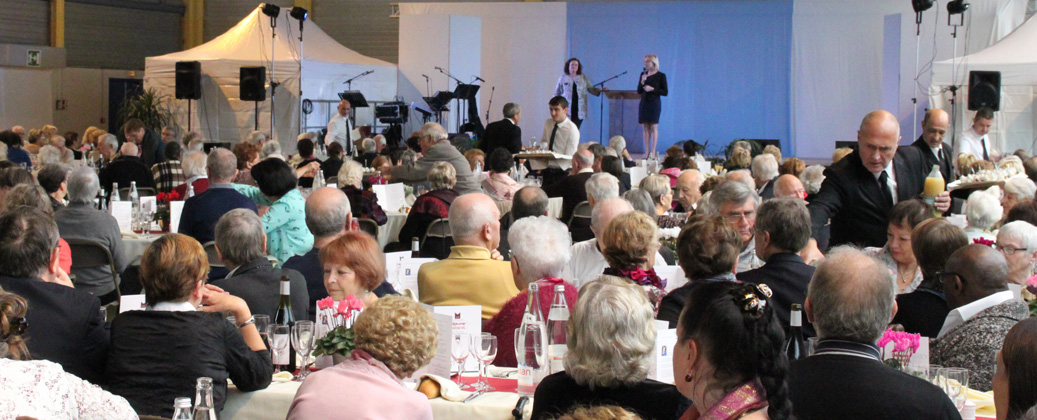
(299, 13)
(921, 5)
(955, 7)
(271, 10)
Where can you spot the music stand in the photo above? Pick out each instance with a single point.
(355, 98)
(464, 92)
(438, 103)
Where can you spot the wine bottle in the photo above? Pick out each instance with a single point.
(284, 316)
(531, 350)
(795, 345)
(557, 324)
(415, 248)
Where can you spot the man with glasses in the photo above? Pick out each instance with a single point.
(983, 310)
(737, 202)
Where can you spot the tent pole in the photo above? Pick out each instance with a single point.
(302, 56)
(915, 88)
(273, 83)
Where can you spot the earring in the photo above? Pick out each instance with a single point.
(687, 378)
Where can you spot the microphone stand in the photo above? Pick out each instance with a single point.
(349, 87)
(601, 108)
(492, 89)
(457, 110)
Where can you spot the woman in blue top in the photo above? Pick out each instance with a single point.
(281, 207)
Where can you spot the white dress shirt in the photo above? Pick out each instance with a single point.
(972, 143)
(340, 131)
(891, 180)
(567, 139)
(172, 307)
(959, 315)
(587, 263)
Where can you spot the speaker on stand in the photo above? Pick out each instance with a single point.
(252, 87)
(984, 90)
(189, 84)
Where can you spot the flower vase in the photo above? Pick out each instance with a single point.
(904, 357)
(339, 358)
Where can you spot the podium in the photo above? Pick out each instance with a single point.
(623, 106)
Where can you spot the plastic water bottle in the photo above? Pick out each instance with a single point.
(531, 345)
(182, 409)
(204, 409)
(557, 324)
(318, 181)
(478, 168)
(134, 197)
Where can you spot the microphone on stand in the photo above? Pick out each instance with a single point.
(479, 79)
(439, 68)
(425, 76)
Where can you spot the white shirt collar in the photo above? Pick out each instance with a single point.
(963, 313)
(585, 170)
(888, 171)
(512, 121)
(172, 307)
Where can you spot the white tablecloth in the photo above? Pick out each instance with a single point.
(390, 231)
(133, 248)
(273, 403)
(554, 207)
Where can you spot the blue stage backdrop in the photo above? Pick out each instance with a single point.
(727, 63)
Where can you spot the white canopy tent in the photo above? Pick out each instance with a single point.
(221, 116)
(1015, 125)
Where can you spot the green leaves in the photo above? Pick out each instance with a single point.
(340, 340)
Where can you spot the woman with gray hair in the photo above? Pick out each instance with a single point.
(611, 341)
(641, 201)
(1017, 241)
(540, 250)
(619, 144)
(432, 205)
(1016, 190)
(812, 177)
(658, 187)
(363, 202)
(982, 211)
(193, 164)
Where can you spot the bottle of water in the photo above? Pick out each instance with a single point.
(531, 348)
(478, 168)
(318, 181)
(115, 193)
(134, 197)
(557, 324)
(182, 409)
(204, 409)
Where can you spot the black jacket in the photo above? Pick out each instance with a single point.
(258, 283)
(787, 276)
(851, 198)
(922, 311)
(558, 393)
(157, 356)
(502, 133)
(573, 191)
(65, 326)
(124, 170)
(945, 161)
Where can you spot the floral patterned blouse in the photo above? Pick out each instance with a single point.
(284, 223)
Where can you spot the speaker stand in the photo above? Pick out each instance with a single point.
(257, 115)
(189, 116)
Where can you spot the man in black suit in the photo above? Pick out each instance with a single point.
(150, 144)
(528, 201)
(860, 190)
(65, 325)
(782, 230)
(850, 301)
(126, 169)
(241, 245)
(931, 144)
(572, 187)
(504, 133)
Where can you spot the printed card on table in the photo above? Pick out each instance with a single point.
(148, 204)
(390, 196)
(407, 274)
(464, 320)
(122, 211)
(131, 303)
(441, 364)
(637, 173)
(176, 208)
(665, 340)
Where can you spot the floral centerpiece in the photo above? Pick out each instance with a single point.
(162, 213)
(904, 346)
(1030, 294)
(339, 341)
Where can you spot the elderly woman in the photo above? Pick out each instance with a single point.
(282, 211)
(248, 155)
(1017, 190)
(194, 170)
(432, 205)
(476, 158)
(354, 265)
(792, 166)
(924, 310)
(729, 355)
(31, 388)
(1017, 241)
(539, 253)
(157, 354)
(619, 144)
(658, 188)
(364, 203)
(498, 183)
(641, 201)
(707, 251)
(630, 242)
(982, 211)
(897, 253)
(1015, 382)
(394, 338)
(812, 177)
(611, 340)
(741, 158)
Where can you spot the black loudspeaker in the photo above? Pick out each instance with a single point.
(253, 84)
(984, 90)
(188, 80)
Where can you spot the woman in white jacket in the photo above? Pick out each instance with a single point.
(574, 87)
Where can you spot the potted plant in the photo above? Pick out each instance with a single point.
(150, 107)
(339, 342)
(162, 213)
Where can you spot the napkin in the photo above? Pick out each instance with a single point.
(984, 402)
(449, 390)
(126, 234)
(282, 377)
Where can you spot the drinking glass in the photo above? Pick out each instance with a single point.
(302, 340)
(935, 374)
(484, 348)
(459, 351)
(956, 385)
(263, 325)
(278, 343)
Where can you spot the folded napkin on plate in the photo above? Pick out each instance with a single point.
(984, 402)
(437, 386)
(129, 235)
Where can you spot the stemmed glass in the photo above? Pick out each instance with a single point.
(278, 343)
(263, 325)
(459, 351)
(484, 348)
(303, 340)
(956, 385)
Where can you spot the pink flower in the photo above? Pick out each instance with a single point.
(325, 303)
(983, 241)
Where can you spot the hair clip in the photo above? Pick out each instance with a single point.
(18, 327)
(753, 302)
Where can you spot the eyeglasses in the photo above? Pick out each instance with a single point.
(734, 217)
(941, 276)
(1008, 249)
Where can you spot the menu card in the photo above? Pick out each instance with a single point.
(390, 196)
(637, 173)
(176, 208)
(665, 341)
(441, 364)
(463, 320)
(122, 211)
(401, 270)
(131, 303)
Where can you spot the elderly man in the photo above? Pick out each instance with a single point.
(370, 151)
(983, 310)
(471, 274)
(689, 190)
(150, 145)
(860, 190)
(328, 216)
(782, 230)
(107, 147)
(201, 212)
(976, 140)
(737, 203)
(789, 186)
(540, 254)
(169, 134)
(935, 151)
(340, 129)
(765, 169)
(67, 327)
(80, 220)
(528, 201)
(850, 301)
(572, 187)
(170, 173)
(435, 147)
(587, 262)
(505, 133)
(241, 246)
(126, 169)
(600, 186)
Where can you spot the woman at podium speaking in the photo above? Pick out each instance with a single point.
(652, 86)
(574, 87)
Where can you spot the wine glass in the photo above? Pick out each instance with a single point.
(302, 340)
(278, 343)
(956, 385)
(263, 325)
(484, 348)
(459, 351)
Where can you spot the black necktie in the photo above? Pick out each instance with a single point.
(884, 187)
(551, 145)
(986, 156)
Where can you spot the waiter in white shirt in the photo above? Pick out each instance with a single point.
(975, 141)
(340, 129)
(560, 136)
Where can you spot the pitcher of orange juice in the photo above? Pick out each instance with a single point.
(933, 185)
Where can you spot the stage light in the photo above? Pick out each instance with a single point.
(299, 13)
(921, 5)
(957, 7)
(271, 10)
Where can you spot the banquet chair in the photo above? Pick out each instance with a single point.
(210, 252)
(438, 240)
(582, 211)
(90, 254)
(369, 226)
(124, 193)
